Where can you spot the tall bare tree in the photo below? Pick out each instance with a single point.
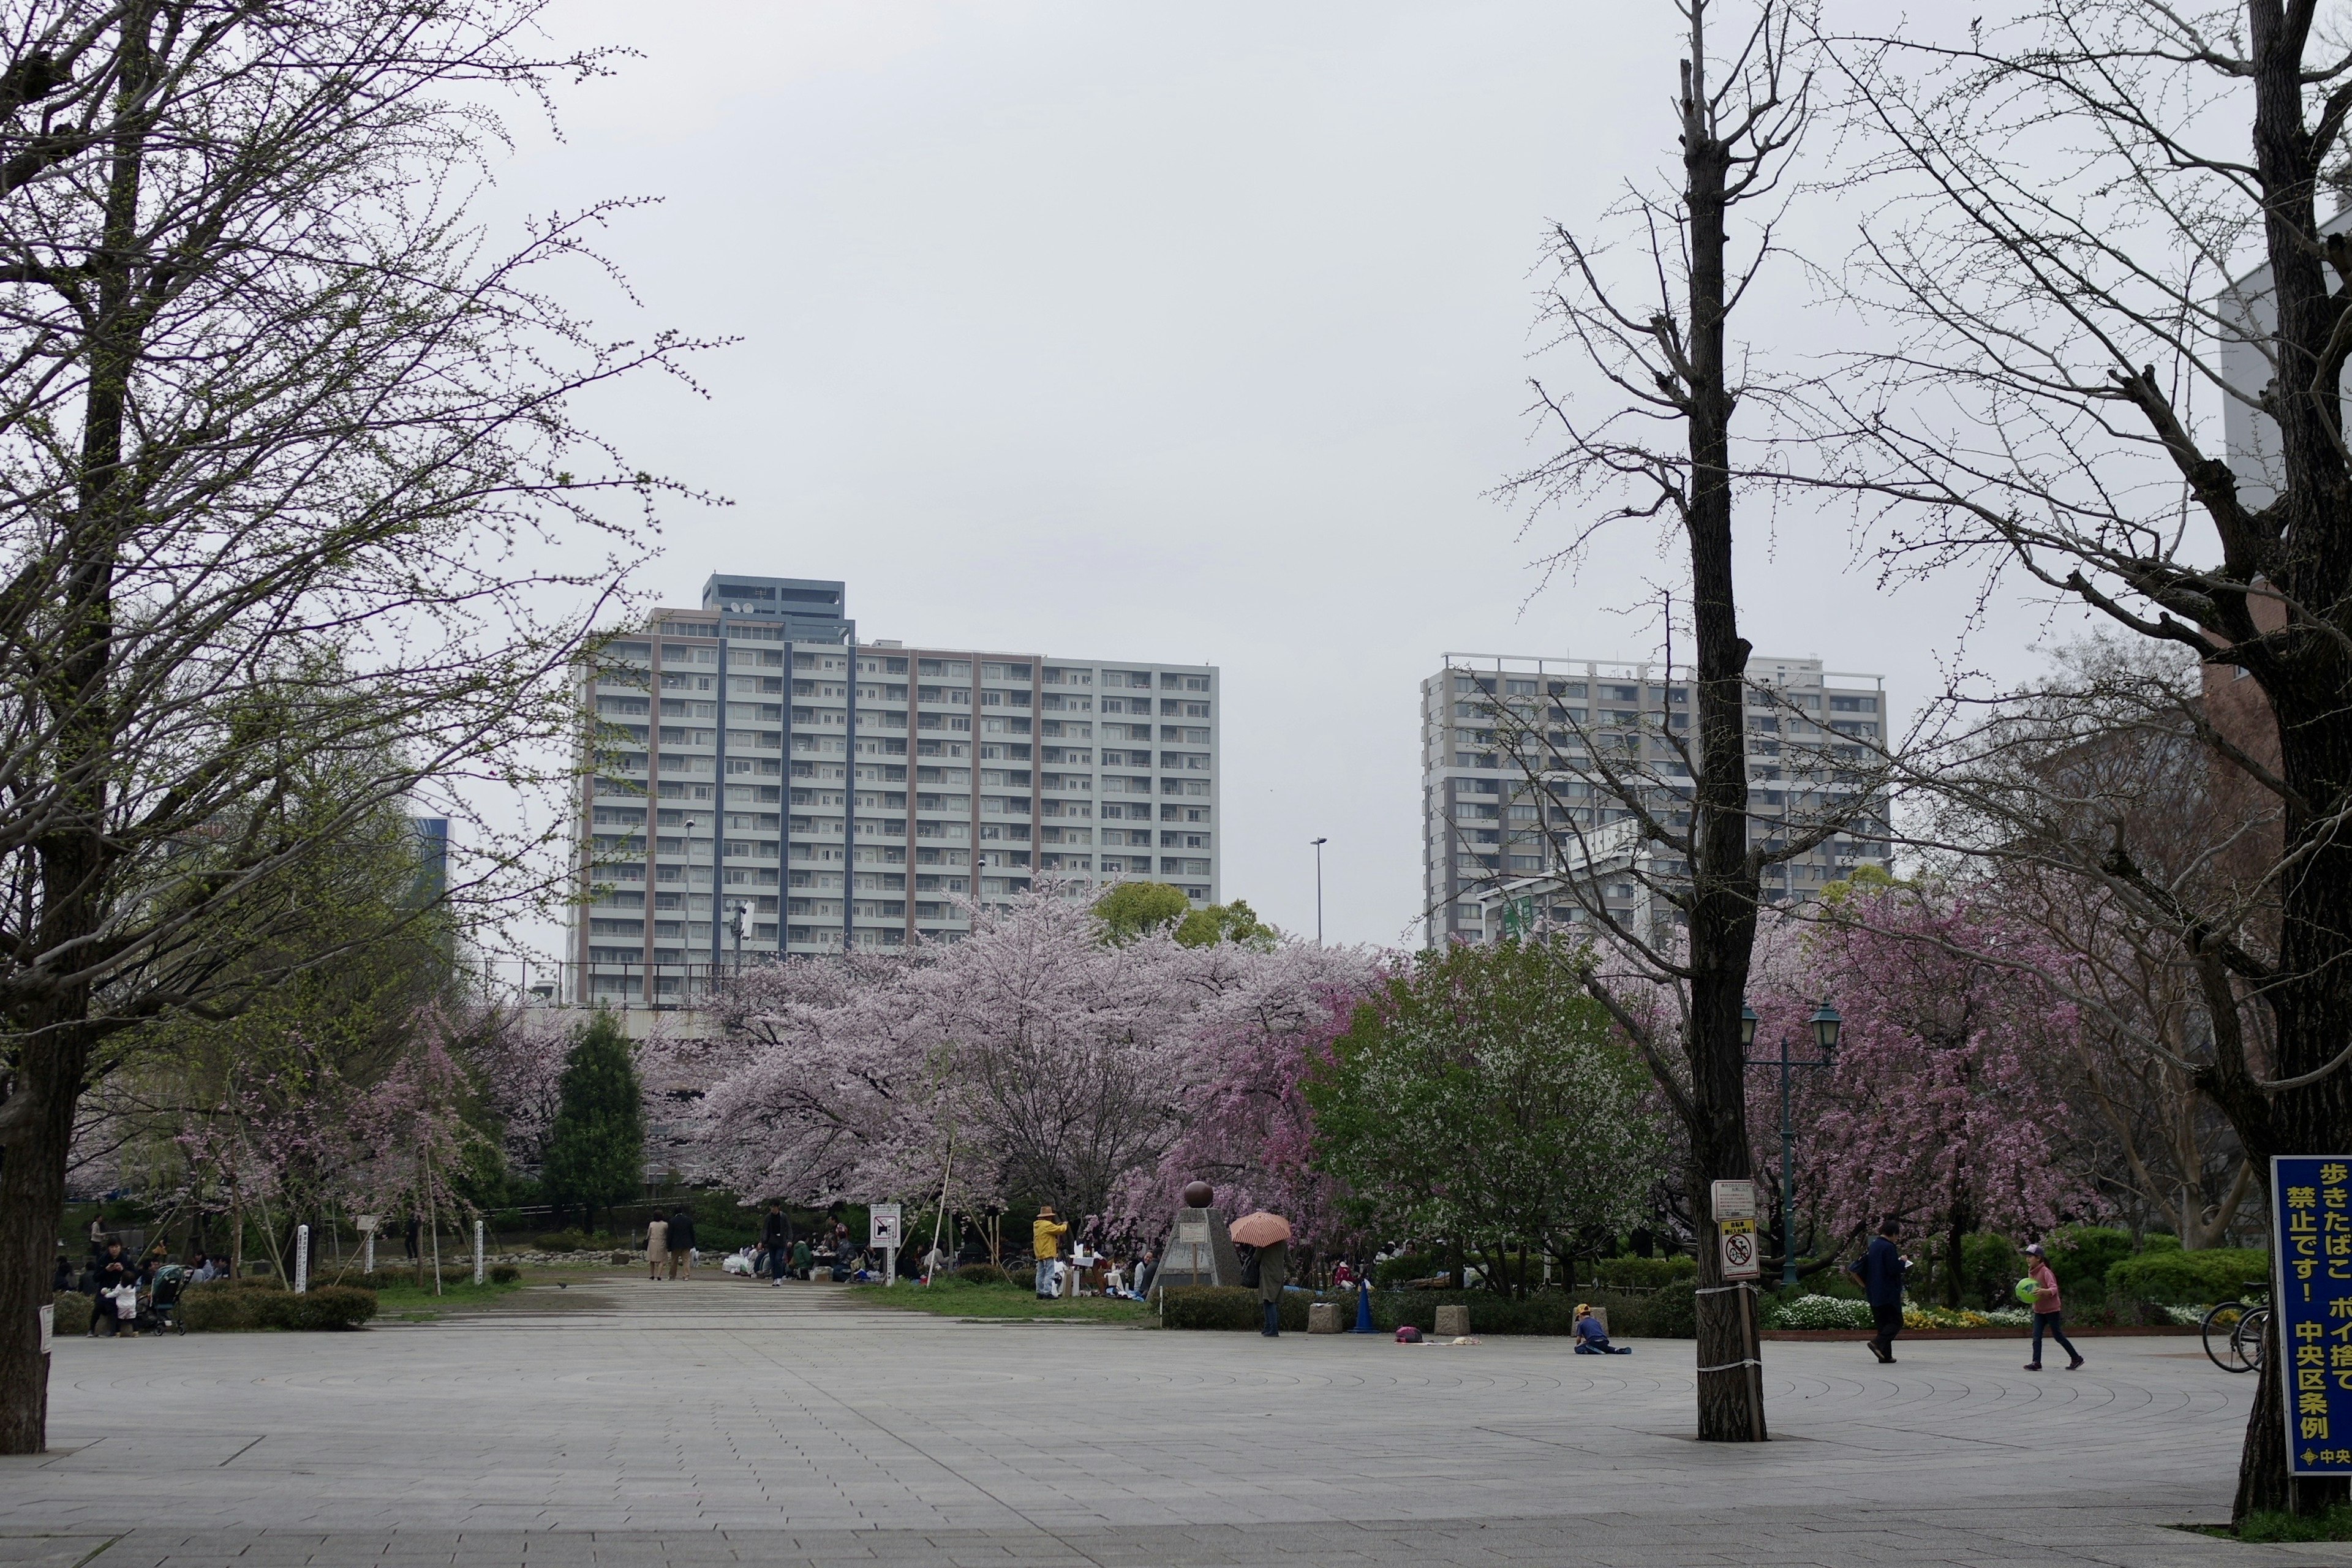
(1663, 346)
(284, 452)
(2117, 327)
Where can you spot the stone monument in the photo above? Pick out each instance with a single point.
(1199, 1248)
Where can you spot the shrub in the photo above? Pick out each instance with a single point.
(504, 1273)
(1991, 1268)
(979, 1274)
(230, 1305)
(1227, 1307)
(2081, 1255)
(1643, 1273)
(1403, 1266)
(70, 1313)
(2179, 1279)
(570, 1240)
(221, 1306)
(1819, 1312)
(1670, 1312)
(327, 1306)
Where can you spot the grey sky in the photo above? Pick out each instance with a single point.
(1180, 332)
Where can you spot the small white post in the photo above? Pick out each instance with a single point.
(367, 1252)
(301, 1259)
(478, 1252)
(889, 1266)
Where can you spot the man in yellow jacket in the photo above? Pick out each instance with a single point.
(1047, 1234)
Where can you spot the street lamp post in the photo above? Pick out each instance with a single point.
(1319, 891)
(737, 918)
(1826, 1024)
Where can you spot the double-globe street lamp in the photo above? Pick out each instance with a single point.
(1826, 1024)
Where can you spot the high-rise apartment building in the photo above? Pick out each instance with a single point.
(760, 781)
(1512, 756)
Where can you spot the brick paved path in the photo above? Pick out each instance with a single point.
(726, 1422)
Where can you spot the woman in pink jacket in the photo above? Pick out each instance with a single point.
(2049, 1309)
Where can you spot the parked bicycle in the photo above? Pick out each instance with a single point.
(2236, 1332)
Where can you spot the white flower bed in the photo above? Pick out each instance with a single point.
(1822, 1312)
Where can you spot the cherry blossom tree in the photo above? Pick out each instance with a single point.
(1941, 1108)
(1046, 1061)
(1245, 1126)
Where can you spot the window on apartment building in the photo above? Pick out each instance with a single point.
(1854, 704)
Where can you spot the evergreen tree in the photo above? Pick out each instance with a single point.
(596, 1153)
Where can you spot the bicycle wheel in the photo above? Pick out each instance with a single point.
(2221, 1330)
(2247, 1340)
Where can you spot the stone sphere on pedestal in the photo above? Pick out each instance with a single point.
(1199, 1195)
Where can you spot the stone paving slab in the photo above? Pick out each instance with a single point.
(1779, 1538)
(722, 1421)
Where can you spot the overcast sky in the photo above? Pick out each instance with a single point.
(1189, 333)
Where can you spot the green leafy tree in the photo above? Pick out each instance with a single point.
(1480, 1097)
(1235, 922)
(596, 1153)
(1134, 910)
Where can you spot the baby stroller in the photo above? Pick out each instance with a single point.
(163, 1299)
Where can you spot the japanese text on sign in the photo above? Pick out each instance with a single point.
(2311, 1251)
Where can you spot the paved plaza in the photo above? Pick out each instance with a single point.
(624, 1422)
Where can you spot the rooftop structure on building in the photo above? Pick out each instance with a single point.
(1519, 824)
(762, 782)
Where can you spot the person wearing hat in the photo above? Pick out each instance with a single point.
(1047, 1235)
(1592, 1334)
(2049, 1309)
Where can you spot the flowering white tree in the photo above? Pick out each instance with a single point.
(1052, 1063)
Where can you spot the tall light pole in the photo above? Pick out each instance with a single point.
(1319, 891)
(1826, 1024)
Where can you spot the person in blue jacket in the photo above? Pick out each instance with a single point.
(1881, 1271)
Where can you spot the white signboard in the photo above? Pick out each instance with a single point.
(1733, 1200)
(882, 1229)
(366, 1222)
(49, 1324)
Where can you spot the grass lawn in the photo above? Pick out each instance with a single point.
(954, 1299)
(2335, 1524)
(406, 1303)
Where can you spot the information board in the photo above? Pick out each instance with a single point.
(2311, 1294)
(882, 1227)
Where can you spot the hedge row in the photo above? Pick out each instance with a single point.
(244, 1304)
(1229, 1306)
(2183, 1278)
(1666, 1314)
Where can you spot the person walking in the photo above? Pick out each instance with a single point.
(681, 1242)
(1047, 1238)
(1881, 1271)
(2049, 1309)
(413, 1233)
(657, 1245)
(1273, 1269)
(776, 1236)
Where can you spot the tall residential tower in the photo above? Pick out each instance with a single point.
(1509, 775)
(760, 781)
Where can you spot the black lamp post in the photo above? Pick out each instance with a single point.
(1826, 1024)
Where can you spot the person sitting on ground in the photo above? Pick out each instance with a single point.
(1592, 1334)
(62, 1279)
(803, 1258)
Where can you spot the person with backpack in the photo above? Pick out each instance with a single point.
(2049, 1309)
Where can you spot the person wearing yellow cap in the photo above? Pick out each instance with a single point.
(1592, 1334)
(1047, 1234)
